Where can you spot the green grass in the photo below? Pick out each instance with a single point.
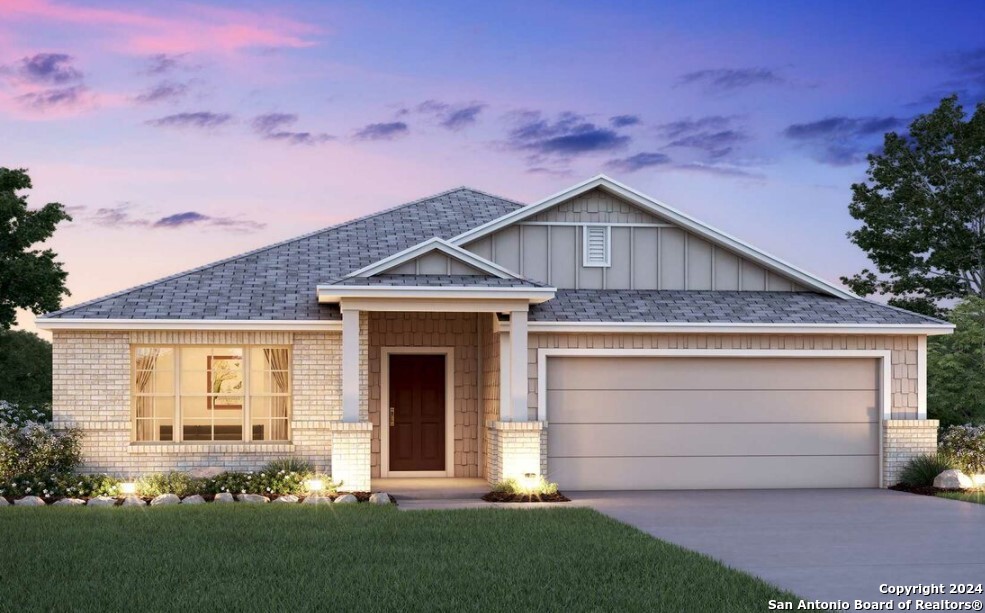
(297, 558)
(977, 497)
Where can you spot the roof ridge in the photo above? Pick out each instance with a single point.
(258, 250)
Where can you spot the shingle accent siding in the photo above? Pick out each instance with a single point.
(457, 330)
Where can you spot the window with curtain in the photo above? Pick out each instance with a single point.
(197, 393)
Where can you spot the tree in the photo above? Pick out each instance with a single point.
(25, 368)
(956, 367)
(30, 278)
(923, 212)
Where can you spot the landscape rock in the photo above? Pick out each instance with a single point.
(953, 479)
(69, 502)
(316, 499)
(286, 498)
(380, 498)
(101, 501)
(133, 501)
(206, 472)
(195, 499)
(224, 497)
(252, 498)
(3, 502)
(165, 499)
(29, 501)
(346, 499)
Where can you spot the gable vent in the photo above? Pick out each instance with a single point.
(596, 245)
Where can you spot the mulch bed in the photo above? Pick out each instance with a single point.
(923, 490)
(505, 497)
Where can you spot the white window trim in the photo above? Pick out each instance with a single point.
(884, 357)
(177, 434)
(608, 246)
(385, 353)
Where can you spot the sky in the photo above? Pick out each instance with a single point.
(180, 133)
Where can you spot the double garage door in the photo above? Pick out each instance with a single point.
(618, 423)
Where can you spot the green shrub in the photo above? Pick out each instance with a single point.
(966, 446)
(168, 483)
(62, 485)
(528, 485)
(30, 447)
(264, 483)
(289, 465)
(921, 471)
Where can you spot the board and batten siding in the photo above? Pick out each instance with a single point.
(434, 264)
(647, 252)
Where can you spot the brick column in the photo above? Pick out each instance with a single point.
(903, 440)
(351, 447)
(516, 448)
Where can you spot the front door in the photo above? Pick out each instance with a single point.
(417, 412)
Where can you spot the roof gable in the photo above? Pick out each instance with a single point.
(434, 256)
(660, 212)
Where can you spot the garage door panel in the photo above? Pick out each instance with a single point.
(711, 473)
(647, 406)
(710, 422)
(673, 373)
(626, 440)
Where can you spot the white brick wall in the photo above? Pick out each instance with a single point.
(515, 449)
(91, 391)
(903, 440)
(351, 448)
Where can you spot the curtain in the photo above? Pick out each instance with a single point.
(146, 363)
(277, 363)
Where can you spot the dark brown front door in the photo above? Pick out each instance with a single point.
(417, 401)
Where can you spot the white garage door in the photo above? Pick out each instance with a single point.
(712, 423)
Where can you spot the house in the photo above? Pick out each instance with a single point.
(598, 337)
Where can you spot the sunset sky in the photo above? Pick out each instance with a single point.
(180, 133)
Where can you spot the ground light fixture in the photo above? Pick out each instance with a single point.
(314, 485)
(529, 482)
(128, 488)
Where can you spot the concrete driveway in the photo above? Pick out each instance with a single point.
(818, 544)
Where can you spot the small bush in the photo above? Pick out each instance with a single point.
(264, 483)
(528, 485)
(966, 446)
(289, 465)
(29, 446)
(63, 485)
(168, 483)
(921, 471)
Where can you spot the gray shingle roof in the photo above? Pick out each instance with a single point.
(678, 306)
(278, 282)
(437, 281)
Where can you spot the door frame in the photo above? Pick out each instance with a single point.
(385, 353)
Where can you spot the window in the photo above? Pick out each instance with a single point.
(596, 246)
(195, 393)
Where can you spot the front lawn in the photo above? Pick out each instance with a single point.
(978, 497)
(290, 558)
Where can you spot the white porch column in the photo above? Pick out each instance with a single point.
(505, 375)
(518, 366)
(350, 365)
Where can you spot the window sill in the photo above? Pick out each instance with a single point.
(211, 447)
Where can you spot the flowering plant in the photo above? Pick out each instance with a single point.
(265, 483)
(965, 445)
(61, 485)
(30, 446)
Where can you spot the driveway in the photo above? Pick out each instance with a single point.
(818, 544)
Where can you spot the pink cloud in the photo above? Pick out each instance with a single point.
(185, 29)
